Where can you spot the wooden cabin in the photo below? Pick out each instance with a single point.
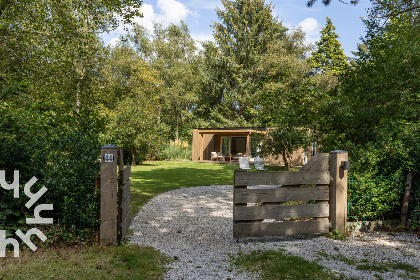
(234, 141)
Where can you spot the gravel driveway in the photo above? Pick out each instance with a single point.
(194, 227)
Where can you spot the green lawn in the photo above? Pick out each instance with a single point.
(278, 265)
(154, 177)
(85, 263)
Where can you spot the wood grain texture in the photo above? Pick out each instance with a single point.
(109, 197)
(281, 194)
(338, 191)
(247, 213)
(282, 178)
(241, 230)
(319, 162)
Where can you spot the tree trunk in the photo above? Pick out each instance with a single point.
(406, 198)
(133, 155)
(177, 127)
(286, 163)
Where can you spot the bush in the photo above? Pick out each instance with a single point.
(379, 169)
(62, 153)
(176, 150)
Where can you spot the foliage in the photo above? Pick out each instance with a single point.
(86, 262)
(310, 3)
(375, 116)
(329, 56)
(173, 53)
(231, 79)
(134, 122)
(176, 150)
(62, 157)
(284, 140)
(287, 98)
(336, 235)
(51, 103)
(286, 95)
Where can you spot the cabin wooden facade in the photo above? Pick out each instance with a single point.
(233, 141)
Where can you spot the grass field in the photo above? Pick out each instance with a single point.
(85, 263)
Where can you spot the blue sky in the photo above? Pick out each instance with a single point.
(199, 15)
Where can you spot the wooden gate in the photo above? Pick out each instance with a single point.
(123, 197)
(271, 211)
(115, 195)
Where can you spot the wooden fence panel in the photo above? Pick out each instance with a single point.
(249, 213)
(241, 230)
(323, 170)
(316, 163)
(281, 194)
(282, 178)
(124, 201)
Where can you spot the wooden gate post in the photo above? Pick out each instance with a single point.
(338, 190)
(109, 213)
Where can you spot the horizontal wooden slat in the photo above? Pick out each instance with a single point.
(247, 213)
(282, 178)
(241, 230)
(281, 194)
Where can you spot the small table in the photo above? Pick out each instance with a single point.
(227, 158)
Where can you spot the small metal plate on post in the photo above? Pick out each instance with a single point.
(108, 158)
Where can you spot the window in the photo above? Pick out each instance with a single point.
(255, 149)
(225, 146)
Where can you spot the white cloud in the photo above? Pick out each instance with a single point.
(173, 11)
(113, 42)
(200, 38)
(167, 12)
(312, 29)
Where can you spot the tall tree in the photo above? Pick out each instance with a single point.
(133, 87)
(53, 47)
(288, 97)
(329, 56)
(173, 52)
(241, 38)
(285, 93)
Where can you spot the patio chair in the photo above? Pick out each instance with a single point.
(259, 164)
(216, 156)
(244, 163)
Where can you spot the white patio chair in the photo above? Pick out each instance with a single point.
(216, 156)
(259, 163)
(244, 163)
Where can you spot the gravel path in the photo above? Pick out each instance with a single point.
(194, 227)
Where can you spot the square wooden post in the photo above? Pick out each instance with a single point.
(338, 190)
(109, 197)
(238, 172)
(248, 145)
(202, 147)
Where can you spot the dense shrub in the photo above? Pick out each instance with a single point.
(379, 169)
(62, 153)
(176, 150)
